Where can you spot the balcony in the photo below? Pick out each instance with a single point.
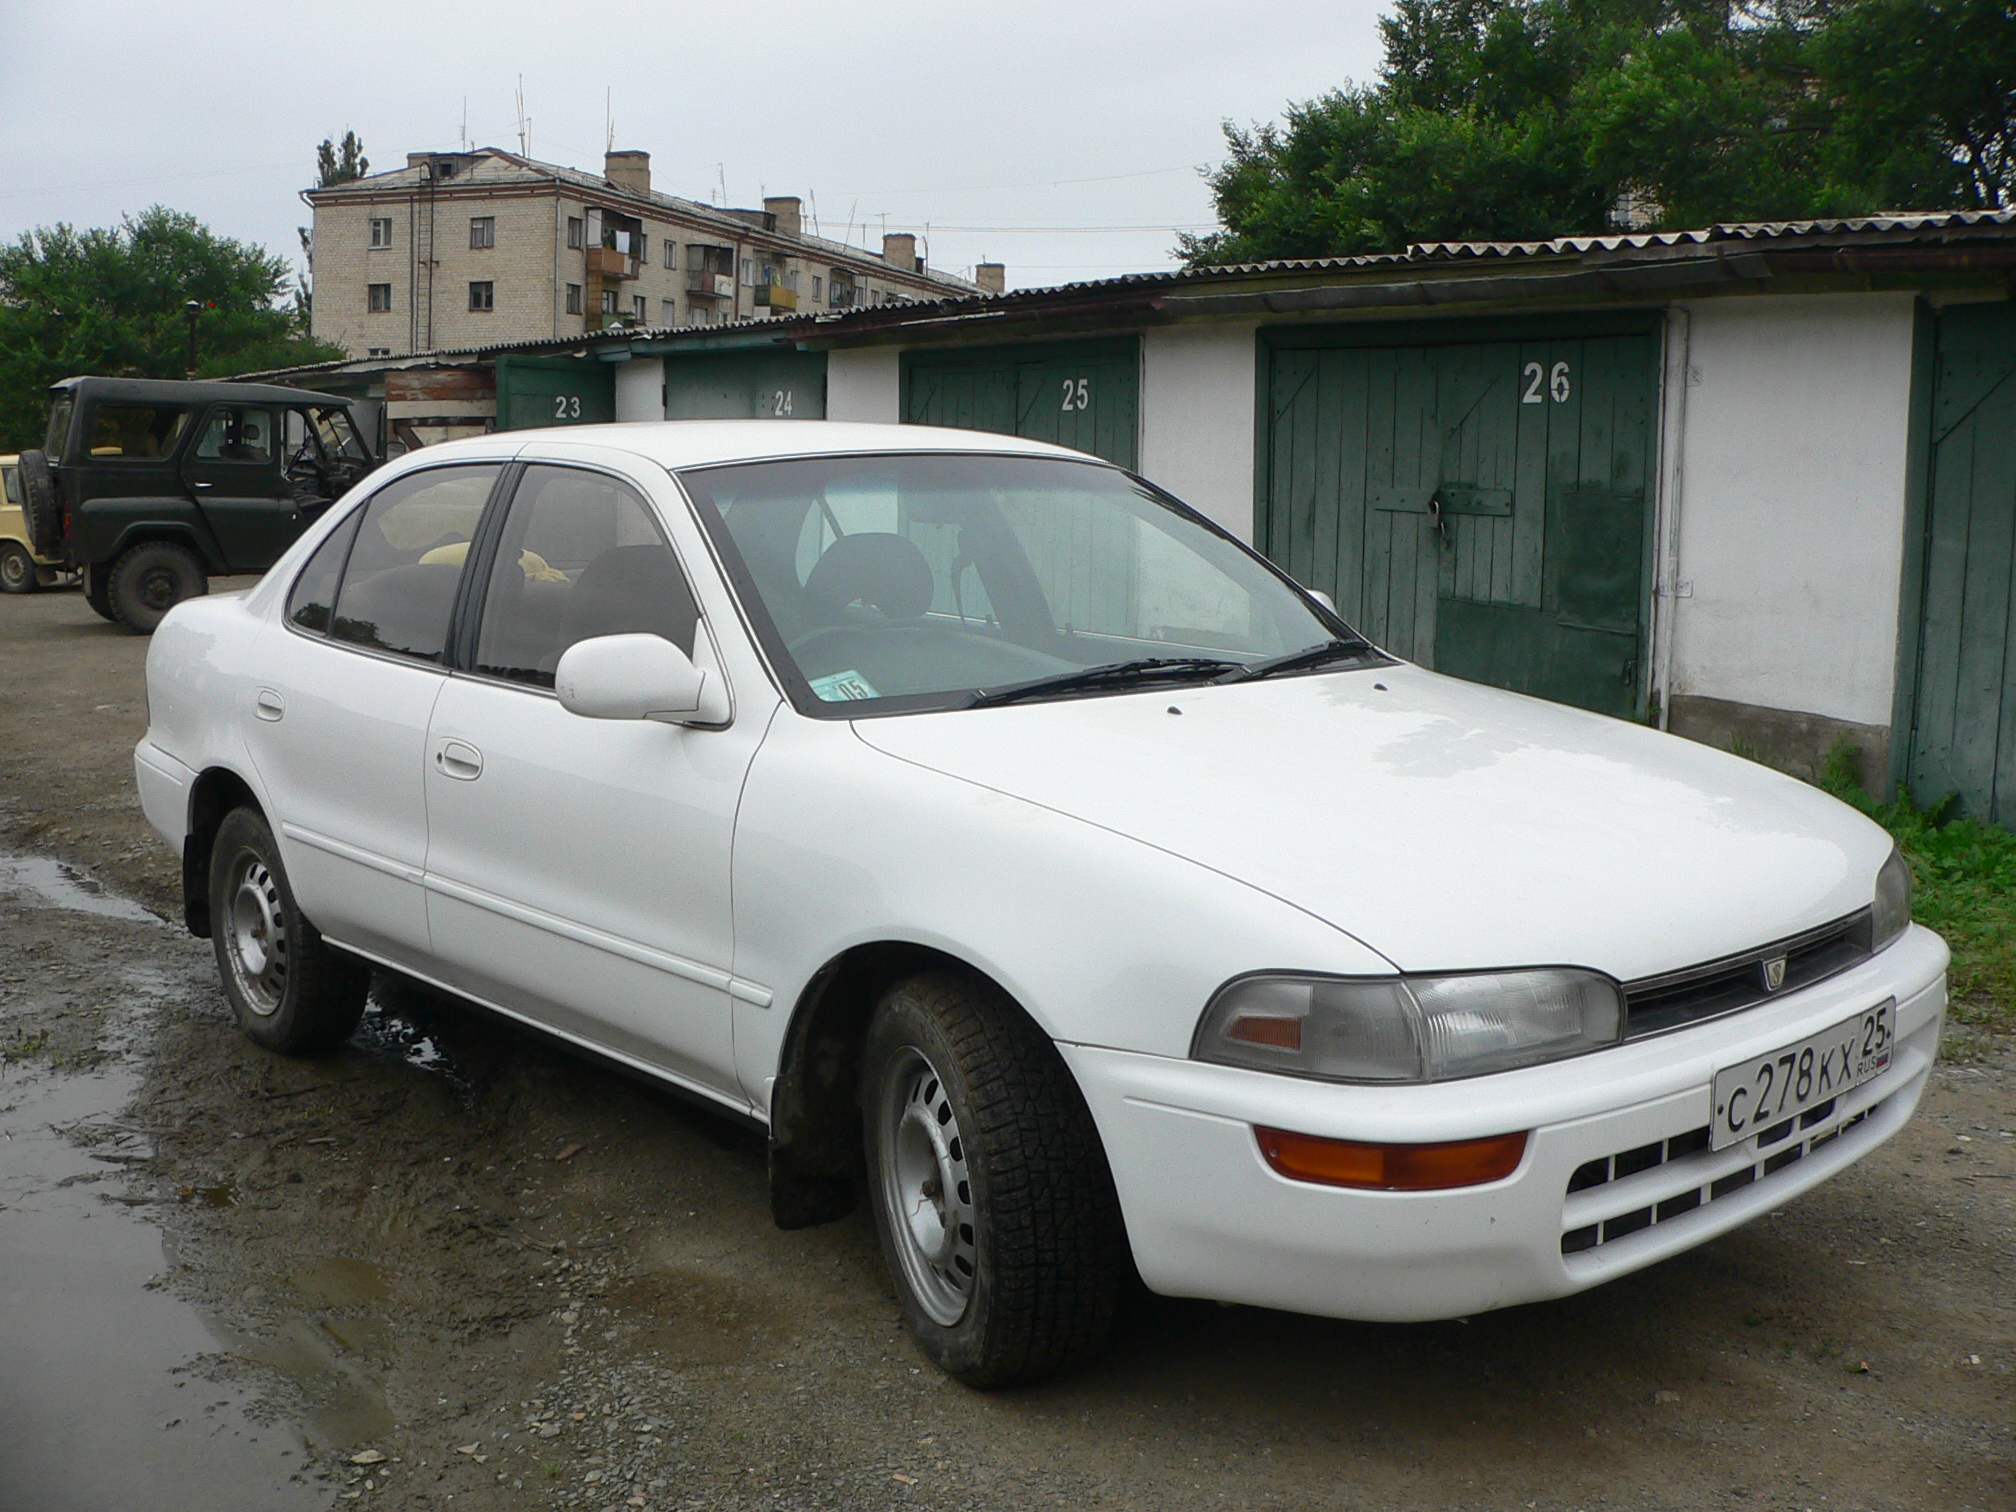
(611, 263)
(711, 285)
(776, 297)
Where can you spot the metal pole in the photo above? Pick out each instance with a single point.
(192, 310)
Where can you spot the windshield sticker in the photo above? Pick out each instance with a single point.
(843, 686)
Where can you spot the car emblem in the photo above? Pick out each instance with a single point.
(1774, 973)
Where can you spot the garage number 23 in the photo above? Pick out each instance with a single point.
(1556, 378)
(566, 406)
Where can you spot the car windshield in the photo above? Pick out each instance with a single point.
(883, 584)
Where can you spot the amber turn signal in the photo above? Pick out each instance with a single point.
(1391, 1167)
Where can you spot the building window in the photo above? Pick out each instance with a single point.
(671, 253)
(608, 301)
(378, 296)
(381, 230)
(748, 266)
(577, 231)
(482, 231)
(817, 294)
(378, 351)
(573, 299)
(483, 296)
(638, 305)
(668, 312)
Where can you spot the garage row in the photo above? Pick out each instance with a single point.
(1753, 484)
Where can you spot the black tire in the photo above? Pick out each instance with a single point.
(41, 505)
(152, 578)
(290, 991)
(17, 569)
(992, 1197)
(98, 590)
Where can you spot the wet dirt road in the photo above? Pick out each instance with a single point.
(452, 1266)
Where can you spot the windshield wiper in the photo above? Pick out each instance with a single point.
(1298, 661)
(1113, 674)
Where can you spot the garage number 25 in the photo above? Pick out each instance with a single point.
(566, 406)
(1558, 386)
(1077, 394)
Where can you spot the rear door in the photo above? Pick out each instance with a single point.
(233, 470)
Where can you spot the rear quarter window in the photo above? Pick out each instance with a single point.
(134, 432)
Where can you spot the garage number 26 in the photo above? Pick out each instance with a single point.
(1558, 387)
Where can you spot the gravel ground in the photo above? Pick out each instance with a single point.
(455, 1266)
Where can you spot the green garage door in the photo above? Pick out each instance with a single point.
(534, 391)
(1963, 717)
(1081, 394)
(1481, 506)
(768, 385)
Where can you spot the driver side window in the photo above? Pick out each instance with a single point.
(580, 556)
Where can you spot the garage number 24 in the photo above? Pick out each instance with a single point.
(1558, 386)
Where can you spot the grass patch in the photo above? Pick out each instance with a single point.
(1963, 875)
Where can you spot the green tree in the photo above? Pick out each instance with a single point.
(113, 300)
(1518, 119)
(338, 163)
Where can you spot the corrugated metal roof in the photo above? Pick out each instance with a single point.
(1888, 223)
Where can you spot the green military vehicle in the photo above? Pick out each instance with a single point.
(147, 487)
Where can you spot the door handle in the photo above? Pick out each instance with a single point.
(460, 760)
(269, 704)
(199, 483)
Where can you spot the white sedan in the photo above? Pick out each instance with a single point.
(1014, 844)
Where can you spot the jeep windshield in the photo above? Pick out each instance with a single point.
(885, 584)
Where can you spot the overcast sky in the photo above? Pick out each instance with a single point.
(1058, 136)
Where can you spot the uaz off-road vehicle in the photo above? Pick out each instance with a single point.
(147, 486)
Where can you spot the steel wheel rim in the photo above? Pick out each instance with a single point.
(14, 569)
(255, 935)
(926, 1189)
(159, 589)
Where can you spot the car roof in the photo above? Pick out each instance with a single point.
(191, 391)
(676, 444)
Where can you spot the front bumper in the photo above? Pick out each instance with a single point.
(1207, 1217)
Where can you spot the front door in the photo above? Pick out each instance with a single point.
(577, 872)
(1481, 509)
(233, 471)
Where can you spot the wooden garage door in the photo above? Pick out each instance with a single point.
(1963, 725)
(760, 385)
(537, 391)
(1081, 394)
(1481, 507)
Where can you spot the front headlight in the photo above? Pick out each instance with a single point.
(1409, 1029)
(1890, 914)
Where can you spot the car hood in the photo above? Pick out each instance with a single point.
(1445, 825)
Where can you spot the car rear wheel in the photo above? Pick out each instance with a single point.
(290, 991)
(152, 578)
(17, 570)
(990, 1189)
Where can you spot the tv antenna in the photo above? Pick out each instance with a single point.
(608, 119)
(524, 122)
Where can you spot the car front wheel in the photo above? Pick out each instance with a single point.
(17, 571)
(152, 578)
(990, 1189)
(290, 991)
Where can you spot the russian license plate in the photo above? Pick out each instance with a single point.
(1759, 1093)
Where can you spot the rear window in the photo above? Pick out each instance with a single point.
(59, 427)
(13, 477)
(399, 583)
(134, 432)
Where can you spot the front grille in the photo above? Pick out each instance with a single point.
(1653, 1005)
(1689, 1158)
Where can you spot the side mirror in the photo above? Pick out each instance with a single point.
(1322, 598)
(638, 677)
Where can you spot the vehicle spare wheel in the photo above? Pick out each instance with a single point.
(152, 578)
(41, 504)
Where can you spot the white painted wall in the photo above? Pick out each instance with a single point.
(865, 384)
(640, 389)
(1792, 507)
(1197, 418)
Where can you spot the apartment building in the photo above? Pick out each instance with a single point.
(473, 249)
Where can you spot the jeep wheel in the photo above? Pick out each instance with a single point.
(17, 571)
(291, 992)
(41, 506)
(152, 578)
(991, 1193)
(98, 589)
